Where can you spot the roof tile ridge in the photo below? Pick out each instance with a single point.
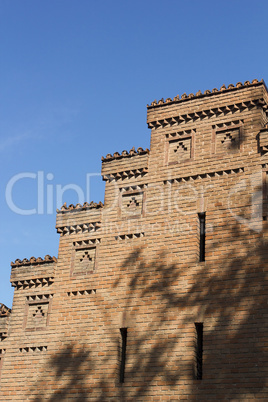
(185, 97)
(79, 207)
(125, 154)
(33, 261)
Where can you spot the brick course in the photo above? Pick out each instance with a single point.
(134, 263)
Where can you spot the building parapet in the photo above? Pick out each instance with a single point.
(79, 219)
(126, 165)
(33, 272)
(184, 97)
(245, 97)
(33, 261)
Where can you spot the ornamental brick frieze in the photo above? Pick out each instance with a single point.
(211, 112)
(82, 292)
(79, 229)
(129, 236)
(32, 283)
(126, 174)
(33, 349)
(86, 243)
(42, 297)
(218, 173)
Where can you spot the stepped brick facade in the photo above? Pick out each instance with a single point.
(160, 294)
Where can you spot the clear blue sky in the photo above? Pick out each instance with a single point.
(75, 78)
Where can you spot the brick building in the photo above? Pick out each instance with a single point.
(160, 293)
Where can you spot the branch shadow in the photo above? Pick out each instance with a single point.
(229, 291)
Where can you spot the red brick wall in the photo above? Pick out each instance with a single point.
(134, 264)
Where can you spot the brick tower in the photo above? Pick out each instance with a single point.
(160, 294)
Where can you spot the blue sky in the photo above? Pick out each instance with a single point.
(75, 78)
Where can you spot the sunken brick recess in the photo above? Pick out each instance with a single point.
(161, 292)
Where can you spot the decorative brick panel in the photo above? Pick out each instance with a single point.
(227, 137)
(37, 312)
(84, 258)
(179, 150)
(132, 201)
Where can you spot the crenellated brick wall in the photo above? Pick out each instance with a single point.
(160, 294)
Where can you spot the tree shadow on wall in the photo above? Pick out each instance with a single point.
(68, 370)
(228, 293)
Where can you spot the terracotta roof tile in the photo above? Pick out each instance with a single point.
(207, 92)
(125, 154)
(79, 207)
(33, 261)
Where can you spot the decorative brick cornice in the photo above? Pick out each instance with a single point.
(213, 111)
(125, 154)
(31, 349)
(134, 187)
(33, 261)
(4, 310)
(82, 292)
(184, 97)
(86, 243)
(79, 207)
(32, 283)
(82, 228)
(44, 297)
(128, 236)
(217, 173)
(125, 174)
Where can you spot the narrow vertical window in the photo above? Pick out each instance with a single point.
(265, 194)
(199, 350)
(202, 236)
(2, 351)
(123, 353)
